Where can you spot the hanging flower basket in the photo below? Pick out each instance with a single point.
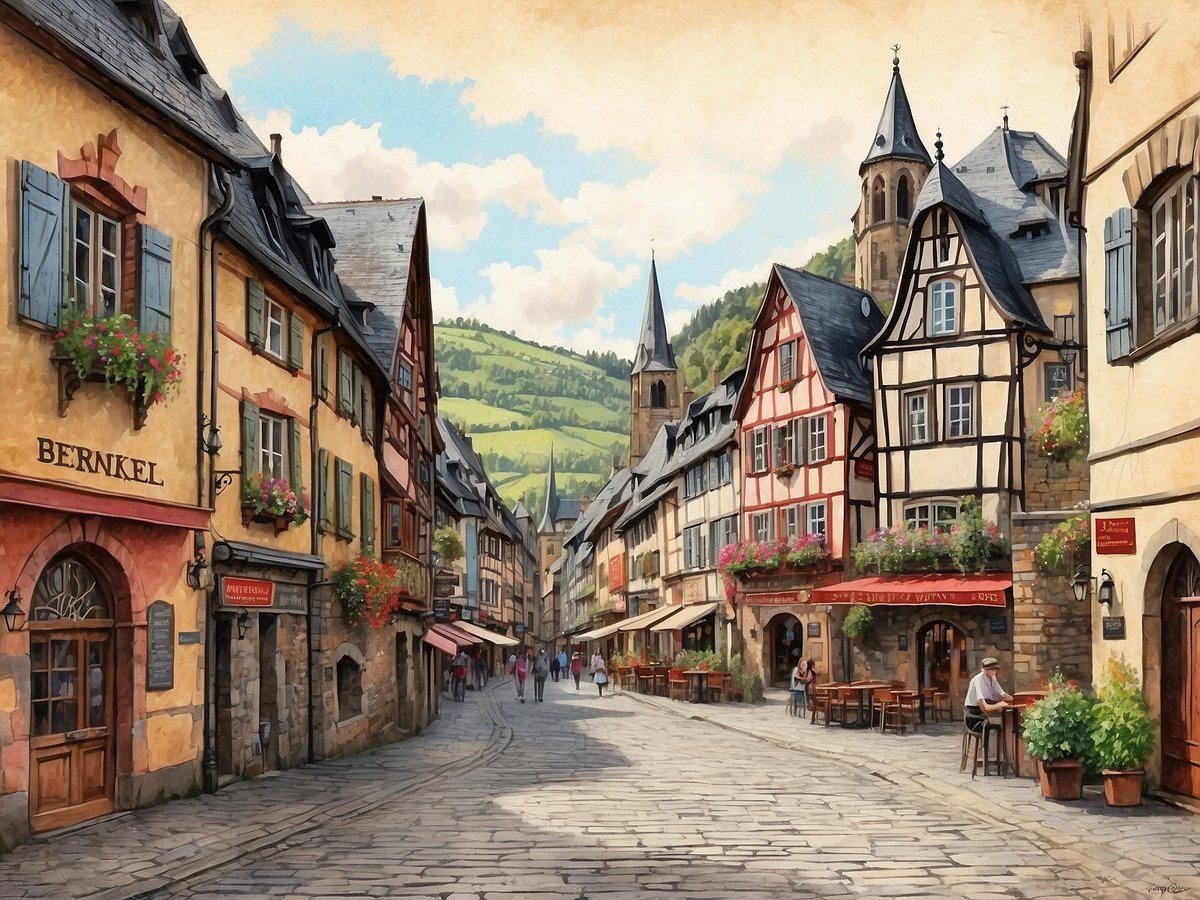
(1063, 541)
(1060, 428)
(112, 347)
(368, 589)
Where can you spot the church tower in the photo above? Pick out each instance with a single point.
(655, 383)
(550, 531)
(892, 174)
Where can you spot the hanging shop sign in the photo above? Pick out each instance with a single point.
(262, 594)
(1115, 536)
(441, 609)
(864, 469)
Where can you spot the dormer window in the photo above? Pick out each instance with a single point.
(143, 17)
(271, 225)
(943, 307)
(185, 54)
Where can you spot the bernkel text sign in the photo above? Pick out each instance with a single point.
(1116, 535)
(97, 462)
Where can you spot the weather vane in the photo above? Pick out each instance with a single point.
(896, 55)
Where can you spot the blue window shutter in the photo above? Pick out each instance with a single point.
(367, 514)
(322, 491)
(296, 473)
(1119, 278)
(250, 425)
(256, 299)
(155, 296)
(43, 236)
(295, 345)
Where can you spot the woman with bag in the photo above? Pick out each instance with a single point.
(599, 672)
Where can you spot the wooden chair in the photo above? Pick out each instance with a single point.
(716, 686)
(972, 743)
(846, 705)
(942, 711)
(887, 710)
(822, 701)
(645, 679)
(908, 704)
(626, 678)
(660, 680)
(677, 684)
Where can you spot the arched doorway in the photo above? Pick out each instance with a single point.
(942, 662)
(1180, 684)
(72, 716)
(786, 636)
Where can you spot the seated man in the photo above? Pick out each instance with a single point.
(984, 695)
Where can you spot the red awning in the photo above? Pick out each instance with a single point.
(919, 590)
(438, 642)
(457, 635)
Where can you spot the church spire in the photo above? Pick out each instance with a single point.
(654, 347)
(551, 512)
(896, 135)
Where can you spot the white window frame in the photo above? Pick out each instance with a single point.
(916, 421)
(816, 518)
(942, 514)
(787, 362)
(1173, 255)
(762, 525)
(943, 307)
(1054, 386)
(960, 398)
(816, 439)
(95, 286)
(274, 328)
(784, 445)
(791, 521)
(272, 446)
(760, 450)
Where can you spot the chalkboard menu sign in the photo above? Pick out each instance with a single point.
(160, 646)
(814, 629)
(998, 625)
(1114, 628)
(441, 609)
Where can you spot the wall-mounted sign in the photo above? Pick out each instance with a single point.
(97, 462)
(774, 598)
(616, 572)
(189, 637)
(814, 629)
(160, 646)
(441, 609)
(864, 469)
(290, 597)
(695, 590)
(262, 594)
(1114, 628)
(519, 628)
(1116, 535)
(998, 625)
(902, 641)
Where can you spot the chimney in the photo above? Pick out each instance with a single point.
(716, 376)
(277, 145)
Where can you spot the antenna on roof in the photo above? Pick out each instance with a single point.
(895, 57)
(1004, 109)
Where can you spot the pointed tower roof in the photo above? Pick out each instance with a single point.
(551, 512)
(896, 136)
(654, 351)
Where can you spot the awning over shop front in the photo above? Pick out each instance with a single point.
(597, 633)
(686, 616)
(450, 632)
(646, 619)
(438, 642)
(500, 640)
(919, 590)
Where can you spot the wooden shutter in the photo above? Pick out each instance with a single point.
(356, 392)
(43, 236)
(256, 300)
(345, 502)
(154, 313)
(250, 425)
(368, 413)
(799, 441)
(295, 457)
(295, 347)
(321, 501)
(345, 396)
(323, 367)
(1118, 283)
(367, 514)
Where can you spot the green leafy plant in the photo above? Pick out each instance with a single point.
(974, 542)
(1122, 732)
(1060, 429)
(744, 557)
(447, 545)
(1057, 726)
(694, 659)
(112, 346)
(968, 544)
(368, 590)
(858, 621)
(275, 497)
(1062, 541)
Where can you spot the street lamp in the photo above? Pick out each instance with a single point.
(243, 624)
(14, 616)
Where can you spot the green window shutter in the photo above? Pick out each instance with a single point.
(368, 412)
(44, 201)
(1118, 283)
(154, 312)
(296, 473)
(356, 387)
(295, 347)
(323, 367)
(321, 501)
(250, 461)
(345, 396)
(345, 500)
(256, 300)
(367, 514)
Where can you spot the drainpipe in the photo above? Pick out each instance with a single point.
(314, 544)
(208, 229)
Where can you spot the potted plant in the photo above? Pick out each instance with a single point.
(1060, 429)
(1063, 541)
(447, 545)
(273, 499)
(1056, 734)
(1122, 734)
(858, 621)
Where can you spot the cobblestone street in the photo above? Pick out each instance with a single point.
(583, 797)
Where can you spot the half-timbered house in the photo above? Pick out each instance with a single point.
(807, 437)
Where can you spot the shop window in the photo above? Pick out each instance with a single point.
(349, 688)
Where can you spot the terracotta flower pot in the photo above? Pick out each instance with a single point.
(1062, 779)
(1123, 788)
(247, 516)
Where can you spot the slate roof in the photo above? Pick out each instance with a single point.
(896, 136)
(943, 187)
(99, 33)
(692, 442)
(654, 351)
(616, 491)
(375, 240)
(837, 330)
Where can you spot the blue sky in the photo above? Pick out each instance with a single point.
(556, 144)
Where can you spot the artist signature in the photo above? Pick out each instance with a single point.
(1168, 889)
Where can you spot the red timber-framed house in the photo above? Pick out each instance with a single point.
(981, 334)
(807, 438)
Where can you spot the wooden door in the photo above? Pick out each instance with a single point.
(1181, 678)
(71, 733)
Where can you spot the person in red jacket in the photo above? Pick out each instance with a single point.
(576, 668)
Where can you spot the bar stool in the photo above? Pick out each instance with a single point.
(972, 744)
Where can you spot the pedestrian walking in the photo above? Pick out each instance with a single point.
(541, 669)
(555, 668)
(458, 675)
(564, 663)
(599, 673)
(480, 670)
(518, 668)
(576, 668)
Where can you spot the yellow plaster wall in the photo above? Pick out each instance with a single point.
(171, 739)
(71, 113)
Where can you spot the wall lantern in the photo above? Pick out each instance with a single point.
(210, 439)
(753, 633)
(199, 575)
(1081, 584)
(1064, 335)
(1108, 588)
(14, 616)
(243, 624)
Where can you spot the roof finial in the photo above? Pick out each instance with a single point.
(937, 154)
(895, 57)
(1004, 109)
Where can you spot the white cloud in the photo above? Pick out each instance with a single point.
(797, 254)
(350, 162)
(677, 318)
(444, 300)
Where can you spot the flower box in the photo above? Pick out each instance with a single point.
(784, 470)
(273, 501)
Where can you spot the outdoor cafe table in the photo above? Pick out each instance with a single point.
(1011, 719)
(864, 692)
(699, 684)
